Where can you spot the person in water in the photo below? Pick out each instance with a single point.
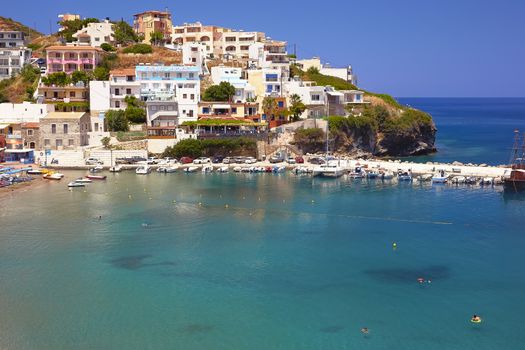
(365, 330)
(476, 318)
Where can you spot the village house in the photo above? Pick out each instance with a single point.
(345, 73)
(313, 97)
(148, 22)
(122, 83)
(70, 93)
(190, 33)
(13, 53)
(243, 90)
(72, 58)
(31, 135)
(65, 130)
(95, 34)
(24, 112)
(67, 17)
(15, 150)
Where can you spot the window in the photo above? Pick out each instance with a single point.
(280, 104)
(167, 75)
(71, 94)
(316, 98)
(117, 92)
(170, 108)
(184, 95)
(206, 110)
(53, 128)
(128, 91)
(192, 75)
(234, 110)
(190, 113)
(192, 96)
(96, 126)
(71, 142)
(29, 132)
(58, 142)
(130, 78)
(162, 108)
(66, 128)
(153, 108)
(179, 75)
(117, 104)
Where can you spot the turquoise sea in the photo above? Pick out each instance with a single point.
(260, 261)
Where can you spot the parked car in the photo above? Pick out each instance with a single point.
(276, 159)
(217, 159)
(316, 160)
(228, 160)
(152, 160)
(239, 160)
(290, 160)
(93, 161)
(186, 160)
(299, 160)
(202, 160)
(250, 160)
(167, 161)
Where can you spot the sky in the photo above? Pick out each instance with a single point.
(407, 48)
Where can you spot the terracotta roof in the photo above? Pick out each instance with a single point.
(30, 125)
(122, 72)
(153, 13)
(72, 48)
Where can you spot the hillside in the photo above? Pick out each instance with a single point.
(10, 24)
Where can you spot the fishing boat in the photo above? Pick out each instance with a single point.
(167, 169)
(516, 181)
(96, 177)
(76, 184)
(372, 174)
(143, 170)
(358, 173)
(386, 175)
(53, 176)
(440, 178)
(404, 176)
(459, 180)
(237, 169)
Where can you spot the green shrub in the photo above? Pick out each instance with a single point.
(139, 49)
(107, 47)
(72, 106)
(116, 121)
(222, 92)
(197, 148)
(33, 46)
(135, 115)
(57, 79)
(310, 140)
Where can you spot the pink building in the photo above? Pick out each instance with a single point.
(71, 58)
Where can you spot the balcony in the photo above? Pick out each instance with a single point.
(162, 132)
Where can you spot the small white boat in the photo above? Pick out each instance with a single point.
(301, 170)
(237, 169)
(96, 169)
(207, 169)
(372, 174)
(115, 169)
(458, 180)
(191, 169)
(84, 181)
(358, 173)
(440, 178)
(143, 170)
(224, 169)
(279, 169)
(76, 184)
(35, 172)
(404, 176)
(53, 176)
(488, 181)
(386, 175)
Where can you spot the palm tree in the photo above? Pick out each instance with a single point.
(269, 107)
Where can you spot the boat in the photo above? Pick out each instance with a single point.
(515, 182)
(487, 181)
(143, 170)
(35, 172)
(386, 175)
(167, 169)
(224, 169)
(424, 178)
(76, 184)
(84, 180)
(372, 174)
(191, 169)
(330, 169)
(459, 180)
(237, 169)
(471, 180)
(279, 169)
(404, 176)
(301, 170)
(53, 176)
(207, 169)
(439, 178)
(358, 173)
(96, 177)
(115, 169)
(96, 169)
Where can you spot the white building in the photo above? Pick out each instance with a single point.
(195, 54)
(236, 43)
(270, 55)
(99, 96)
(95, 34)
(314, 97)
(25, 112)
(243, 90)
(183, 82)
(345, 73)
(266, 81)
(196, 33)
(123, 83)
(13, 53)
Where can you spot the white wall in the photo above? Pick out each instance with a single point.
(99, 95)
(24, 112)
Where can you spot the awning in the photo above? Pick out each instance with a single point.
(4, 125)
(19, 150)
(219, 106)
(335, 93)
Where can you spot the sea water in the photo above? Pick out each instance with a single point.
(472, 130)
(260, 261)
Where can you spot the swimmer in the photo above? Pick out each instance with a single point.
(421, 280)
(365, 330)
(100, 217)
(475, 319)
(429, 281)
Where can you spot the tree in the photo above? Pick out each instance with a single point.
(297, 107)
(186, 148)
(71, 27)
(116, 121)
(80, 76)
(141, 49)
(105, 142)
(222, 92)
(124, 33)
(269, 107)
(135, 115)
(133, 101)
(313, 70)
(57, 79)
(156, 38)
(101, 73)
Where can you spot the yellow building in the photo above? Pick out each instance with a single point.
(146, 23)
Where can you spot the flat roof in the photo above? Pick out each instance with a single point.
(73, 48)
(64, 115)
(173, 68)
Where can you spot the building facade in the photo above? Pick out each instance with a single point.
(65, 130)
(13, 53)
(95, 34)
(24, 112)
(148, 22)
(123, 83)
(72, 58)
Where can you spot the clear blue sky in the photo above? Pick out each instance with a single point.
(452, 48)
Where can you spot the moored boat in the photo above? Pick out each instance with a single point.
(143, 170)
(76, 184)
(96, 177)
(84, 180)
(516, 181)
(115, 169)
(53, 176)
(191, 169)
